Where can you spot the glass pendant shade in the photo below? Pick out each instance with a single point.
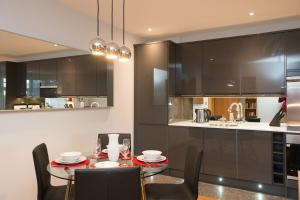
(112, 50)
(97, 46)
(125, 54)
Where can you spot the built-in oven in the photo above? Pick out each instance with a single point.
(292, 156)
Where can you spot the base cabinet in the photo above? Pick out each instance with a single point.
(179, 139)
(220, 152)
(254, 156)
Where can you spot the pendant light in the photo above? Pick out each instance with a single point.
(112, 48)
(97, 45)
(125, 53)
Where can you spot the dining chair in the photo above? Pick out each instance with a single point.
(45, 190)
(188, 190)
(108, 184)
(104, 138)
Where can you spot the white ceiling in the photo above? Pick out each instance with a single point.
(168, 17)
(14, 46)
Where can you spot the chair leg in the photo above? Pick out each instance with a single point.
(143, 189)
(68, 190)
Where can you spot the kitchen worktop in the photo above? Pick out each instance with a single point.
(257, 126)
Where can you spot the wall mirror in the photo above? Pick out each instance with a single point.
(40, 75)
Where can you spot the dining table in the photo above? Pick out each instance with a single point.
(67, 172)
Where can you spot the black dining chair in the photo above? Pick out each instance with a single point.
(104, 138)
(108, 184)
(188, 190)
(45, 190)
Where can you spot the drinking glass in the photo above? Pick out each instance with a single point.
(97, 149)
(126, 149)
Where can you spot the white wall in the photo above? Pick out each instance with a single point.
(61, 130)
(267, 107)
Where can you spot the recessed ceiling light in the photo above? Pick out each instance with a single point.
(251, 13)
(56, 45)
(149, 29)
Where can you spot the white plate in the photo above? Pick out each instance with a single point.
(141, 158)
(104, 151)
(61, 161)
(107, 164)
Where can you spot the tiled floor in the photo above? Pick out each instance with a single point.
(216, 191)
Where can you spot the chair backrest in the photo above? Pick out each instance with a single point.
(104, 138)
(108, 184)
(41, 160)
(192, 169)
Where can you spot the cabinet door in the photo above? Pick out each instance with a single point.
(292, 49)
(221, 69)
(102, 77)
(189, 69)
(86, 75)
(151, 83)
(33, 79)
(66, 76)
(262, 71)
(150, 137)
(48, 72)
(2, 85)
(179, 139)
(255, 156)
(220, 152)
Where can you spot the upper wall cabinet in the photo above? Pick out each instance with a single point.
(262, 64)
(221, 72)
(189, 68)
(48, 72)
(292, 49)
(152, 63)
(66, 76)
(33, 79)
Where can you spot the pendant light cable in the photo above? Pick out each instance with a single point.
(112, 20)
(97, 17)
(123, 22)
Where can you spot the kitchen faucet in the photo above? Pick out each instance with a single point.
(239, 109)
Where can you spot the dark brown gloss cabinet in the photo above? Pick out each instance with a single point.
(254, 156)
(66, 77)
(221, 66)
(219, 157)
(48, 72)
(189, 68)
(86, 75)
(292, 50)
(33, 79)
(151, 71)
(262, 64)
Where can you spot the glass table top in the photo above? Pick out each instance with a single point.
(67, 173)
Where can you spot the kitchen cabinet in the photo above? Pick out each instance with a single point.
(152, 63)
(2, 85)
(292, 50)
(219, 157)
(66, 76)
(86, 75)
(262, 64)
(151, 137)
(103, 73)
(48, 72)
(179, 139)
(189, 68)
(254, 156)
(33, 79)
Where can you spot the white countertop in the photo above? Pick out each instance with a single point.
(256, 126)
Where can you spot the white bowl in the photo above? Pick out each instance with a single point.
(152, 154)
(70, 156)
(106, 164)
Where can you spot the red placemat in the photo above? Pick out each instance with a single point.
(105, 155)
(55, 164)
(154, 164)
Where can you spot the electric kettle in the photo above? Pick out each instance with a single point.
(202, 115)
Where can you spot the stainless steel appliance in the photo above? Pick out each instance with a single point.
(293, 103)
(202, 115)
(292, 156)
